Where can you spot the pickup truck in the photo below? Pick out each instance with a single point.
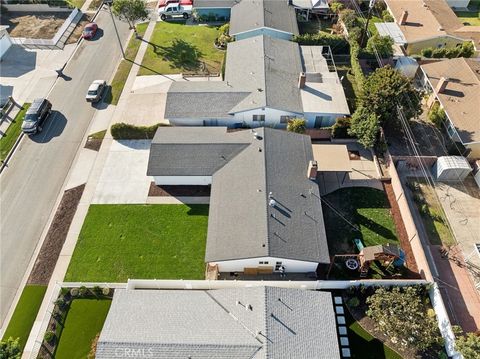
(173, 10)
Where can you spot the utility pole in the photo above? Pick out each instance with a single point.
(109, 4)
(364, 32)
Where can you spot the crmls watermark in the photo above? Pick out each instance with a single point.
(133, 353)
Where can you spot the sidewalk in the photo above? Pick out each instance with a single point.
(86, 166)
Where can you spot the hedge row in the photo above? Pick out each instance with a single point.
(125, 131)
(466, 50)
(337, 43)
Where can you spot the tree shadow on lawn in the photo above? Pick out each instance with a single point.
(181, 54)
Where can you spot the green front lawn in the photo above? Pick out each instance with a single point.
(177, 48)
(118, 242)
(12, 133)
(365, 346)
(123, 70)
(84, 321)
(368, 209)
(25, 313)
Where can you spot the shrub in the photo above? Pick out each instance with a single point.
(436, 115)
(439, 53)
(383, 45)
(82, 291)
(467, 49)
(10, 348)
(49, 336)
(337, 43)
(106, 291)
(97, 291)
(60, 302)
(125, 131)
(336, 7)
(224, 29)
(355, 65)
(469, 345)
(365, 127)
(297, 125)
(353, 302)
(349, 18)
(427, 52)
(74, 292)
(340, 128)
(387, 17)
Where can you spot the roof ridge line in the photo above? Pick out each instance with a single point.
(267, 193)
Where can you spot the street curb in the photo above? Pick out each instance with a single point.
(12, 151)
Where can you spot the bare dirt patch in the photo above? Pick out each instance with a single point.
(178, 191)
(41, 25)
(57, 233)
(79, 29)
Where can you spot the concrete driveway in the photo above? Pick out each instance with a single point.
(27, 74)
(124, 177)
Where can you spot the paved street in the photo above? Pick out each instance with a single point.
(37, 171)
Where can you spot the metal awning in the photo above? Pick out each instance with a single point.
(331, 158)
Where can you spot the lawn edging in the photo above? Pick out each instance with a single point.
(16, 128)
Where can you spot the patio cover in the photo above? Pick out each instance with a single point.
(332, 158)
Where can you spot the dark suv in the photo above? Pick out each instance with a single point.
(36, 115)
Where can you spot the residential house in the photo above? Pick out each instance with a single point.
(266, 178)
(459, 4)
(217, 9)
(250, 323)
(421, 24)
(263, 17)
(455, 84)
(268, 81)
(311, 6)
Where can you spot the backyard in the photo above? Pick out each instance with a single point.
(431, 212)
(470, 16)
(179, 48)
(25, 313)
(118, 242)
(314, 26)
(84, 321)
(368, 210)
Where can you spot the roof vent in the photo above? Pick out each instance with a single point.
(248, 307)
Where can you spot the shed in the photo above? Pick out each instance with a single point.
(407, 66)
(451, 168)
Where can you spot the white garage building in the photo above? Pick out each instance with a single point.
(265, 209)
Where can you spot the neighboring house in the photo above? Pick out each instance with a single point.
(218, 9)
(234, 323)
(263, 17)
(421, 24)
(455, 84)
(268, 81)
(266, 178)
(311, 6)
(458, 3)
(5, 41)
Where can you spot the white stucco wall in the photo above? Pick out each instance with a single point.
(292, 266)
(5, 42)
(272, 117)
(183, 180)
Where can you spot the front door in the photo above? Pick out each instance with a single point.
(278, 265)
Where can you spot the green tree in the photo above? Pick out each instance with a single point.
(382, 44)
(364, 126)
(297, 125)
(405, 316)
(336, 7)
(130, 11)
(469, 345)
(437, 115)
(10, 349)
(349, 18)
(387, 17)
(384, 90)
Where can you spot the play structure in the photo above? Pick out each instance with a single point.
(388, 254)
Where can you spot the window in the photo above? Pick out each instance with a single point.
(478, 247)
(258, 117)
(285, 119)
(263, 262)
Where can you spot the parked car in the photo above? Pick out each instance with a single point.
(95, 91)
(89, 31)
(36, 115)
(173, 10)
(163, 3)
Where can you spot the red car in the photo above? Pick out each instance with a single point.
(162, 3)
(89, 31)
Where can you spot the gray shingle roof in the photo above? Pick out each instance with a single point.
(214, 3)
(282, 323)
(201, 100)
(198, 151)
(245, 170)
(293, 228)
(269, 67)
(260, 72)
(249, 15)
